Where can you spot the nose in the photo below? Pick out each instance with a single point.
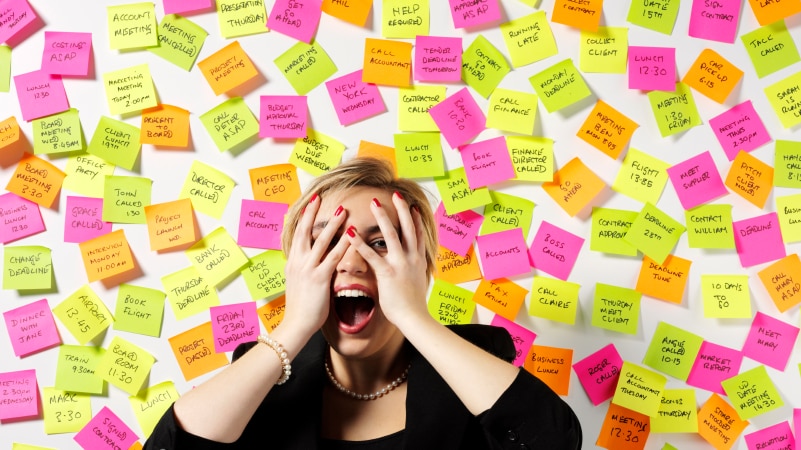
(352, 262)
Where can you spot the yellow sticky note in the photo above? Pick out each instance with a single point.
(317, 153)
(604, 50)
(788, 208)
(404, 19)
(528, 39)
(451, 304)
(785, 99)
(64, 411)
(585, 17)
(616, 308)
(189, 293)
(609, 226)
(726, 296)
(351, 11)
(574, 186)
(560, 85)
(125, 365)
(216, 256)
(787, 168)
(75, 369)
(387, 62)
(501, 296)
(36, 180)
(86, 174)
(554, 299)
(771, 48)
(483, 66)
(754, 392)
(264, 276)
(642, 176)
(132, 25)
(607, 129)
(231, 124)
(710, 226)
(277, 183)
(413, 105)
(456, 193)
(713, 75)
(677, 412)
(107, 255)
(305, 66)
(170, 224)
(666, 281)
(165, 126)
(672, 350)
(639, 389)
(116, 142)
(227, 68)
(532, 157)
(57, 133)
(27, 267)
(84, 314)
(194, 351)
(454, 268)
(180, 41)
(513, 111)
(208, 188)
(654, 233)
(751, 178)
(674, 111)
(129, 90)
(506, 212)
(272, 313)
(780, 280)
(152, 403)
(125, 199)
(419, 155)
(5, 70)
(237, 18)
(139, 310)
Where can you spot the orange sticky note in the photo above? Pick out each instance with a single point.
(751, 178)
(171, 224)
(455, 269)
(272, 312)
(387, 62)
(501, 296)
(371, 149)
(574, 186)
(277, 183)
(107, 255)
(165, 125)
(607, 129)
(713, 76)
(227, 68)
(551, 365)
(666, 281)
(351, 11)
(719, 423)
(781, 280)
(36, 180)
(9, 132)
(194, 351)
(767, 12)
(623, 429)
(586, 17)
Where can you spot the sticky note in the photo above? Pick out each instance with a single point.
(151, 403)
(455, 268)
(758, 239)
(554, 250)
(716, 410)
(227, 68)
(483, 66)
(64, 411)
(532, 157)
(355, 11)
(180, 40)
(216, 256)
(236, 19)
(22, 399)
(715, 21)
(27, 267)
(599, 372)
(609, 226)
(780, 280)
(58, 133)
(86, 174)
(639, 389)
(677, 412)
(306, 66)
(652, 68)
(486, 162)
(657, 16)
(507, 211)
(768, 12)
(107, 255)
(451, 304)
(554, 299)
(283, 116)
(185, 6)
(456, 195)
(125, 365)
(353, 99)
(37, 180)
(713, 75)
(770, 341)
(116, 142)
(616, 308)
(503, 254)
(67, 53)
(713, 364)
(528, 39)
(5, 69)
(189, 293)
(139, 310)
(788, 208)
(513, 111)
(666, 281)
(770, 48)
(587, 16)
(437, 59)
(170, 224)
(208, 189)
(165, 126)
(31, 328)
(739, 129)
(696, 180)
(783, 98)
(672, 350)
(132, 25)
(607, 129)
(753, 393)
(675, 111)
(459, 118)
(405, 19)
(574, 186)
(772, 437)
(604, 50)
(261, 224)
(129, 90)
(413, 105)
(105, 429)
(271, 313)
(233, 324)
(726, 296)
(521, 337)
(295, 18)
(264, 275)
(9, 128)
(316, 153)
(75, 369)
(124, 198)
(710, 226)
(40, 94)
(560, 86)
(21, 218)
(20, 15)
(501, 296)
(750, 178)
(419, 155)
(84, 314)
(551, 365)
(467, 14)
(787, 155)
(231, 124)
(624, 429)
(642, 176)
(275, 183)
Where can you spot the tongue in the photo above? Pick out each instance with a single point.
(352, 311)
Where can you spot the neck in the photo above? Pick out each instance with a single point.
(364, 375)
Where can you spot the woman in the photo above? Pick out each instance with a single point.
(370, 367)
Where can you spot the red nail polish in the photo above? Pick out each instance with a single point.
(376, 202)
(339, 210)
(398, 194)
(303, 210)
(313, 198)
(351, 231)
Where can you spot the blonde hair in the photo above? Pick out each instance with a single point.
(367, 172)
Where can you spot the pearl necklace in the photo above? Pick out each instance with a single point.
(372, 396)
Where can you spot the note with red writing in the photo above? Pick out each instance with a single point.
(437, 58)
(739, 129)
(759, 239)
(233, 324)
(503, 254)
(67, 53)
(502, 296)
(598, 373)
(696, 180)
(555, 250)
(353, 99)
(770, 341)
(295, 18)
(774, 437)
(652, 68)
(459, 118)
(283, 116)
(21, 218)
(84, 219)
(715, 21)
(31, 328)
(713, 364)
(261, 224)
(457, 231)
(194, 351)
(17, 14)
(487, 162)
(467, 13)
(19, 397)
(522, 338)
(105, 430)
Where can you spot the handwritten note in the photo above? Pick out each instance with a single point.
(21, 218)
(272, 313)
(459, 118)
(607, 129)
(624, 429)
(295, 18)
(583, 15)
(86, 174)
(753, 393)
(665, 281)
(554, 250)
(554, 299)
(139, 310)
(750, 178)
(283, 116)
(414, 102)
(227, 68)
(642, 176)
(652, 68)
(513, 111)
(716, 21)
(419, 155)
(36, 180)
(75, 369)
(781, 280)
(713, 364)
(467, 14)
(105, 429)
(305, 66)
(317, 153)
(532, 157)
(784, 97)
(171, 224)
(353, 99)
(604, 50)
(107, 255)
(507, 211)
(609, 227)
(261, 224)
(501, 296)
(405, 18)
(17, 14)
(696, 180)
(230, 124)
(528, 39)
(639, 389)
(675, 111)
(31, 328)
(130, 90)
(264, 275)
(770, 341)
(275, 183)
(739, 129)
(616, 308)
(40, 94)
(132, 25)
(180, 40)
(599, 372)
(726, 296)
(769, 12)
(677, 412)
(208, 188)
(719, 423)
(189, 293)
(574, 186)
(487, 162)
(773, 437)
(770, 48)
(483, 66)
(788, 208)
(20, 394)
(758, 239)
(9, 128)
(560, 86)
(27, 267)
(710, 226)
(66, 53)
(354, 12)
(125, 365)
(216, 256)
(455, 268)
(58, 133)
(437, 58)
(151, 403)
(5, 76)
(451, 304)
(64, 411)
(551, 365)
(387, 62)
(657, 16)
(165, 126)
(713, 75)
(237, 19)
(84, 314)
(503, 254)
(116, 142)
(672, 350)
(124, 198)
(233, 324)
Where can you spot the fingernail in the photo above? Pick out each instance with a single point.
(398, 194)
(303, 210)
(376, 202)
(313, 198)
(339, 210)
(416, 208)
(351, 231)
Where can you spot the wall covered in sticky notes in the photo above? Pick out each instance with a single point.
(616, 183)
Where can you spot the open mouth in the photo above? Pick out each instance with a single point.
(353, 308)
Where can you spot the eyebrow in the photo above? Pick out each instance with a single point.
(373, 229)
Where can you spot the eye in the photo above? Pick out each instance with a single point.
(379, 245)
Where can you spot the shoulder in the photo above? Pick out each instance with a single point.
(495, 340)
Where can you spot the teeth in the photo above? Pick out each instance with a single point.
(352, 293)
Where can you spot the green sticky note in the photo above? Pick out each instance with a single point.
(771, 48)
(726, 296)
(604, 50)
(616, 308)
(677, 413)
(86, 174)
(654, 233)
(483, 66)
(609, 227)
(667, 446)
(785, 98)
(152, 403)
(125, 365)
(505, 212)
(317, 153)
(787, 164)
(264, 276)
(230, 123)
(19, 446)
(413, 105)
(189, 293)
(305, 66)
(513, 111)
(64, 411)
(208, 188)
(58, 133)
(788, 208)
(641, 176)
(139, 310)
(5, 68)
(674, 111)
(116, 142)
(27, 267)
(456, 194)
(528, 39)
(672, 350)
(130, 90)
(752, 393)
(658, 16)
(404, 19)
(84, 314)
(180, 41)
(216, 256)
(419, 155)
(451, 304)
(75, 369)
(560, 85)
(125, 198)
(532, 157)
(554, 299)
(132, 25)
(639, 389)
(238, 18)
(710, 226)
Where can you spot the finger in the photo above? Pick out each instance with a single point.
(419, 231)
(373, 259)
(407, 224)
(335, 254)
(301, 240)
(387, 228)
(324, 240)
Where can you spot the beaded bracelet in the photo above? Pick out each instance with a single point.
(286, 367)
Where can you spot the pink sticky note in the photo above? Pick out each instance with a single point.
(696, 180)
(555, 250)
(437, 59)
(759, 239)
(715, 20)
(503, 254)
(487, 162)
(652, 68)
(261, 224)
(84, 219)
(470, 13)
(40, 94)
(20, 394)
(104, 431)
(31, 328)
(15, 15)
(66, 53)
(20, 218)
(713, 364)
(797, 426)
(599, 372)
(185, 6)
(774, 437)
(522, 337)
(353, 99)
(283, 116)
(459, 118)
(296, 18)
(770, 341)
(234, 324)
(739, 128)
(457, 231)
